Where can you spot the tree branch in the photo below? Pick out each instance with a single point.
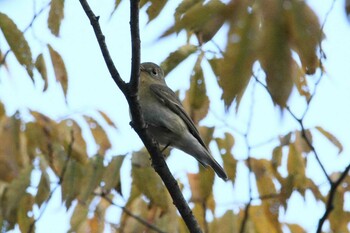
(101, 41)
(130, 92)
(329, 206)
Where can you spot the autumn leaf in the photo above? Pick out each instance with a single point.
(176, 57)
(305, 34)
(111, 176)
(79, 215)
(275, 55)
(25, 206)
(234, 69)
(41, 67)
(196, 101)
(18, 44)
(154, 8)
(99, 134)
(331, 138)
(143, 173)
(56, 15)
(43, 189)
(230, 163)
(59, 69)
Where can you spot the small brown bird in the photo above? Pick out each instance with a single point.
(167, 120)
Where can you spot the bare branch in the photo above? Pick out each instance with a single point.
(101, 41)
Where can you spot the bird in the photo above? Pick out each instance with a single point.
(166, 119)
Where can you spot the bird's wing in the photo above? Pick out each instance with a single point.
(166, 96)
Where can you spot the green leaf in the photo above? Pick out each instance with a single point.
(175, 58)
(154, 8)
(43, 189)
(56, 15)
(331, 138)
(72, 182)
(59, 69)
(111, 175)
(13, 194)
(142, 173)
(93, 172)
(41, 67)
(17, 43)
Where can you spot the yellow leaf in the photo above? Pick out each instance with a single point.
(275, 55)
(338, 218)
(18, 44)
(305, 34)
(59, 69)
(296, 169)
(41, 67)
(230, 163)
(300, 142)
(14, 192)
(79, 215)
(23, 219)
(264, 175)
(294, 228)
(107, 119)
(196, 101)
(43, 189)
(234, 70)
(70, 136)
(201, 185)
(10, 157)
(56, 15)
(176, 57)
(2, 110)
(261, 221)
(206, 133)
(99, 134)
(331, 138)
(227, 223)
(154, 8)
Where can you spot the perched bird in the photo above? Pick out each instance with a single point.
(166, 119)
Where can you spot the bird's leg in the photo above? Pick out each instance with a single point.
(166, 146)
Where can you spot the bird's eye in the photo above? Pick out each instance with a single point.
(154, 72)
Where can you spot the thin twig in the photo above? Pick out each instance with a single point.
(60, 180)
(246, 139)
(128, 212)
(303, 131)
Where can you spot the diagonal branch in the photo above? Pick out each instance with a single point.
(329, 206)
(130, 92)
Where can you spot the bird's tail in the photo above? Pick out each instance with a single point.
(207, 159)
